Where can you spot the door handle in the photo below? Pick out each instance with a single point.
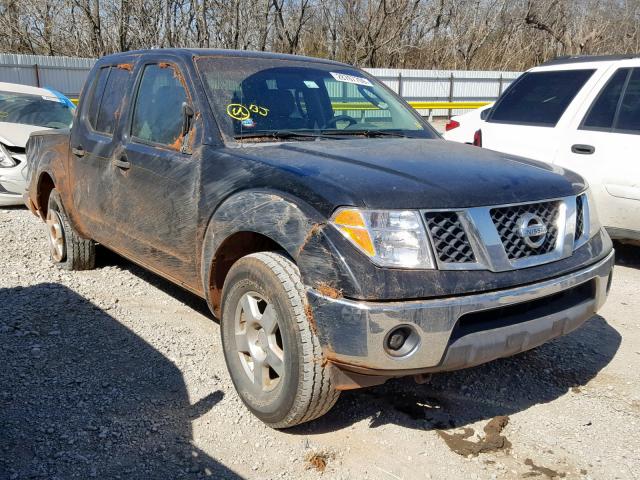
(583, 149)
(78, 151)
(121, 162)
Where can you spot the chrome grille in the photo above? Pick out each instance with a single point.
(506, 221)
(579, 217)
(449, 238)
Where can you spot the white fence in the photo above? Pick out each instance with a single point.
(445, 85)
(67, 75)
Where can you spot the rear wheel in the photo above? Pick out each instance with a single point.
(67, 248)
(272, 352)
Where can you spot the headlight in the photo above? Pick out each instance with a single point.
(5, 158)
(390, 238)
(592, 213)
(589, 221)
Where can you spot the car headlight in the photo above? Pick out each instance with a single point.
(390, 238)
(592, 212)
(5, 158)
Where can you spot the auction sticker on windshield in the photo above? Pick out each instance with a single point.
(343, 77)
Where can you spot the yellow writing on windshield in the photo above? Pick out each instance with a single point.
(237, 111)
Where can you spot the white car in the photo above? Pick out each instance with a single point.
(462, 128)
(580, 113)
(23, 110)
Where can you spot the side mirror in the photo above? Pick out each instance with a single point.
(187, 118)
(485, 113)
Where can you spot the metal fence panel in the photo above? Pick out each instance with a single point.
(445, 85)
(67, 75)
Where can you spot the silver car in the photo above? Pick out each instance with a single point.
(25, 109)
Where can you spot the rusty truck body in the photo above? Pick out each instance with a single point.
(336, 236)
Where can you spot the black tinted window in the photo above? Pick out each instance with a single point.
(114, 92)
(629, 114)
(96, 95)
(157, 116)
(603, 111)
(539, 98)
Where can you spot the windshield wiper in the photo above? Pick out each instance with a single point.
(283, 134)
(369, 133)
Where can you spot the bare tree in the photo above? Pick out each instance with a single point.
(478, 34)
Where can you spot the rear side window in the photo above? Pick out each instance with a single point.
(629, 114)
(603, 111)
(114, 91)
(539, 98)
(96, 95)
(157, 117)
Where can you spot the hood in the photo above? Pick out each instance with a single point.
(17, 134)
(411, 173)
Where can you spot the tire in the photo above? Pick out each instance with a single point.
(296, 389)
(67, 249)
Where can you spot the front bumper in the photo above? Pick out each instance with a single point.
(457, 332)
(13, 184)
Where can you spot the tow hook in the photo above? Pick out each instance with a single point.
(422, 378)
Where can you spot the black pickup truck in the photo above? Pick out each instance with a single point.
(337, 237)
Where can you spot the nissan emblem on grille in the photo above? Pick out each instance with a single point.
(532, 230)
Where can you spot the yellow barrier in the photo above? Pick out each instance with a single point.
(447, 105)
(417, 105)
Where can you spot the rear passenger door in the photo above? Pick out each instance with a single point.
(94, 138)
(157, 187)
(604, 144)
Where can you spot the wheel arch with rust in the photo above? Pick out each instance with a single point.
(47, 156)
(258, 220)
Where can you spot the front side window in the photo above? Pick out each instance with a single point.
(111, 102)
(37, 110)
(157, 117)
(539, 98)
(629, 114)
(254, 96)
(603, 112)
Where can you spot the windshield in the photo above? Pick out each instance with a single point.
(286, 98)
(36, 110)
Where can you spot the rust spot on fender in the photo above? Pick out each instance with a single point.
(315, 229)
(308, 311)
(328, 291)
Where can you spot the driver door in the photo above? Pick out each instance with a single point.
(157, 190)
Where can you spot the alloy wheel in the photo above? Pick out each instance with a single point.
(259, 341)
(56, 235)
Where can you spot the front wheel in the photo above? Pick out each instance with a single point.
(272, 352)
(67, 248)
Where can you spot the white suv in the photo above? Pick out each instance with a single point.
(582, 113)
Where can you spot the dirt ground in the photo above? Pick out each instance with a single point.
(115, 373)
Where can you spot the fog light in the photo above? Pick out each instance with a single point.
(401, 341)
(396, 339)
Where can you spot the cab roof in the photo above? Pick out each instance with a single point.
(188, 53)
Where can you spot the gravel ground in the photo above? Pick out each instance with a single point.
(115, 373)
